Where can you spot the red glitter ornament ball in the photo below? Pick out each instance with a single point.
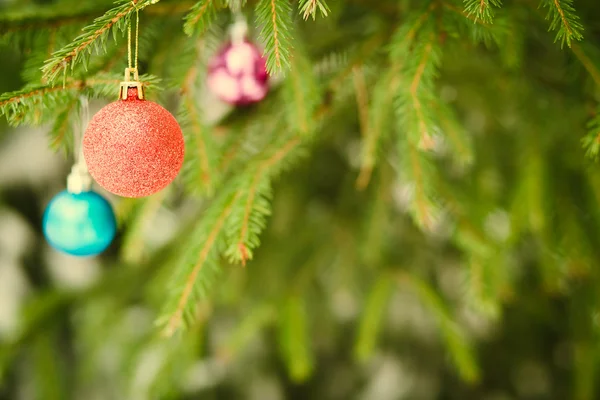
(133, 147)
(238, 74)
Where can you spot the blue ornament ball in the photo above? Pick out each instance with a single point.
(80, 224)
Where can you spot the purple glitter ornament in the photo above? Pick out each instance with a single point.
(238, 74)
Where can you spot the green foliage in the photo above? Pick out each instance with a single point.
(482, 9)
(418, 174)
(302, 93)
(197, 267)
(201, 165)
(249, 213)
(309, 8)
(62, 132)
(419, 71)
(200, 16)
(378, 129)
(458, 139)
(93, 38)
(35, 103)
(275, 17)
(564, 20)
(459, 23)
(200, 169)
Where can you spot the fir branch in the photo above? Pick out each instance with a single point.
(204, 169)
(249, 216)
(309, 8)
(379, 116)
(591, 142)
(459, 140)
(36, 104)
(366, 50)
(19, 97)
(486, 275)
(482, 9)
(233, 148)
(416, 48)
(564, 20)
(362, 99)
(200, 16)
(275, 17)
(31, 104)
(403, 39)
(115, 19)
(246, 139)
(63, 125)
(385, 91)
(413, 117)
(200, 171)
(418, 175)
(484, 279)
(243, 250)
(425, 139)
(454, 337)
(192, 278)
(301, 95)
(481, 30)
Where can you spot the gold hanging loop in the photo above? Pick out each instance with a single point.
(128, 82)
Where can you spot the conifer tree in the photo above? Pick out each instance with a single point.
(417, 198)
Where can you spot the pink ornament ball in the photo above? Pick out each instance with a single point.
(238, 74)
(133, 147)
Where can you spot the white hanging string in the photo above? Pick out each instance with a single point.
(239, 29)
(79, 180)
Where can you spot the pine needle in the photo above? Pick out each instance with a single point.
(275, 17)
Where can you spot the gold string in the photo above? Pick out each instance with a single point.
(137, 35)
(137, 39)
(129, 45)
